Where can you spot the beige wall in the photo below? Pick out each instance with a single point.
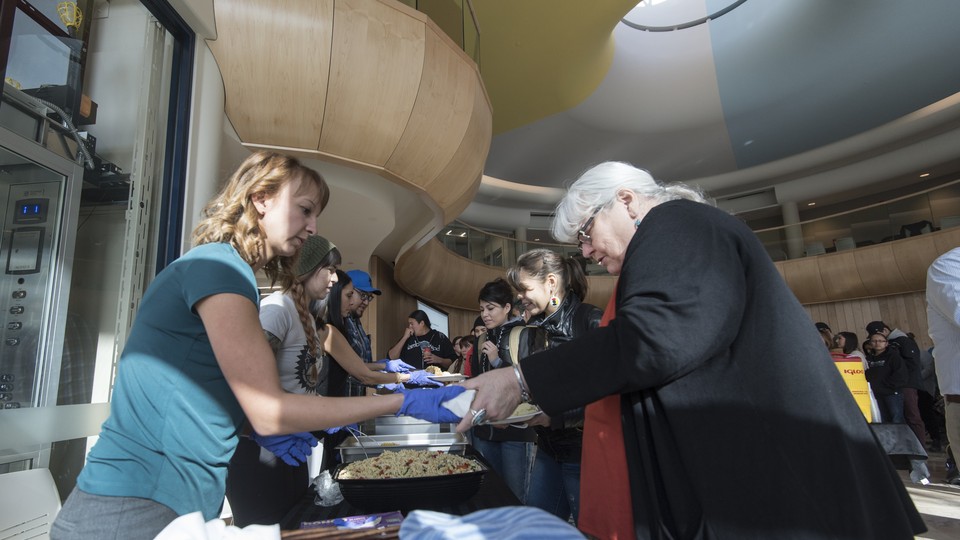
(907, 312)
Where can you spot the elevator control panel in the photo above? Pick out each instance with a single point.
(29, 215)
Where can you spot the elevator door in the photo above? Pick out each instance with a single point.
(31, 212)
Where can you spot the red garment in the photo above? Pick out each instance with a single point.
(606, 509)
(467, 370)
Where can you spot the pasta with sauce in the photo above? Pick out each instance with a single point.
(408, 464)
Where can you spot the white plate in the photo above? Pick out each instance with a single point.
(447, 378)
(519, 419)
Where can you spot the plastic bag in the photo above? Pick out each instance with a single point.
(328, 491)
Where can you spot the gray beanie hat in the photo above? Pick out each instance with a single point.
(314, 250)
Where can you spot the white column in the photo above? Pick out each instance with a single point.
(792, 232)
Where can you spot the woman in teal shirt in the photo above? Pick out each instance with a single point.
(196, 366)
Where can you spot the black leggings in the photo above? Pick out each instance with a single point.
(262, 493)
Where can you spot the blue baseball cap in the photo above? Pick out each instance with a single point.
(361, 281)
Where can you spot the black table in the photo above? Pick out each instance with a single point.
(493, 493)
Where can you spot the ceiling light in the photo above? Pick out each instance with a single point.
(811, 204)
(924, 175)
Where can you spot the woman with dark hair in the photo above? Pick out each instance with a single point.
(333, 311)
(509, 449)
(422, 346)
(262, 491)
(551, 289)
(847, 342)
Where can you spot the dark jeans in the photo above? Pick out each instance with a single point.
(891, 408)
(511, 460)
(555, 486)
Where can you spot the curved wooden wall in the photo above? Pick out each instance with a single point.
(440, 276)
(371, 84)
(884, 269)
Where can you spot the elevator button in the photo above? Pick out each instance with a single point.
(6, 377)
(20, 294)
(13, 342)
(5, 397)
(14, 325)
(6, 387)
(16, 310)
(11, 405)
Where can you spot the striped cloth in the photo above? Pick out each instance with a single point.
(505, 523)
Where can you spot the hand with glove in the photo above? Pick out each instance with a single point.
(397, 366)
(293, 449)
(349, 427)
(427, 403)
(422, 378)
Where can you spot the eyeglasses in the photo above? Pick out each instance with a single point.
(583, 235)
(365, 296)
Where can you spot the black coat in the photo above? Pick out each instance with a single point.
(736, 422)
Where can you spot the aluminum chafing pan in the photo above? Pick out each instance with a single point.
(396, 425)
(372, 445)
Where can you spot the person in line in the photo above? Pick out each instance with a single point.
(910, 353)
(358, 337)
(196, 368)
(421, 345)
(846, 342)
(943, 321)
(508, 449)
(334, 311)
(551, 288)
(467, 347)
(703, 346)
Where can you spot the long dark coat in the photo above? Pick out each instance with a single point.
(736, 421)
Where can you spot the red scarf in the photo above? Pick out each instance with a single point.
(606, 509)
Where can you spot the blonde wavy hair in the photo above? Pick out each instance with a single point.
(231, 216)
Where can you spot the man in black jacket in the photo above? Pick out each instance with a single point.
(910, 353)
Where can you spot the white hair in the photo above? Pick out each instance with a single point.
(598, 187)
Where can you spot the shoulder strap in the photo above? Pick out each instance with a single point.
(515, 342)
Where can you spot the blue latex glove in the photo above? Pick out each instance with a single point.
(349, 427)
(393, 387)
(293, 449)
(397, 366)
(425, 403)
(422, 378)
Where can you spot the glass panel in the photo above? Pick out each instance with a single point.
(110, 72)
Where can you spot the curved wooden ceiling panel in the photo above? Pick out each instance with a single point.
(442, 114)
(275, 85)
(437, 274)
(371, 84)
(375, 67)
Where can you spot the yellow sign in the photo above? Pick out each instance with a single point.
(851, 369)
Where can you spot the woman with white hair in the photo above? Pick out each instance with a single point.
(713, 409)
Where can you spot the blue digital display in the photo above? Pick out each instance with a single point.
(32, 210)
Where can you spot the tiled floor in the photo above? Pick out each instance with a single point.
(938, 502)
